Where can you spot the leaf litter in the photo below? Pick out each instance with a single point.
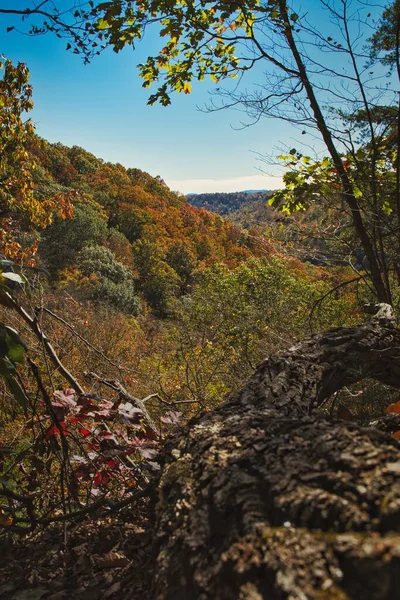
(104, 557)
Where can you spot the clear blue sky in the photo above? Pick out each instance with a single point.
(102, 107)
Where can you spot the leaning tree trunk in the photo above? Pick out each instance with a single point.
(265, 499)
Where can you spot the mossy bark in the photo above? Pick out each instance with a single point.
(264, 498)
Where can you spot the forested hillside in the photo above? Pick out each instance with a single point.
(152, 241)
(296, 234)
(230, 202)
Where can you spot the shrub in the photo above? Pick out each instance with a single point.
(112, 283)
(63, 240)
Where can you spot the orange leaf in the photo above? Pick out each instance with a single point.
(393, 408)
(396, 435)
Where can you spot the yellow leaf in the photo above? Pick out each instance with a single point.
(102, 24)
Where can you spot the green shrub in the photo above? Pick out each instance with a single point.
(113, 283)
(64, 239)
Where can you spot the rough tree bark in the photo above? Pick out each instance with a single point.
(266, 498)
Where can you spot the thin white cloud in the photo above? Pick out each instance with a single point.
(234, 184)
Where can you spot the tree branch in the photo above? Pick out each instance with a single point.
(35, 327)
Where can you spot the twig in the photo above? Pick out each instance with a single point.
(49, 374)
(117, 386)
(79, 336)
(174, 403)
(35, 327)
(114, 506)
(336, 287)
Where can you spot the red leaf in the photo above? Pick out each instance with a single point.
(65, 397)
(130, 412)
(107, 434)
(101, 478)
(51, 431)
(60, 412)
(54, 430)
(171, 417)
(84, 431)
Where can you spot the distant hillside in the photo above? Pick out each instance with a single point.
(296, 234)
(228, 203)
(130, 235)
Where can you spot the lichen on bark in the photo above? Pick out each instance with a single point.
(265, 498)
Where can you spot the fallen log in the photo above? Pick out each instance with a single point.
(267, 498)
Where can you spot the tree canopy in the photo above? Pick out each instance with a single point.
(20, 210)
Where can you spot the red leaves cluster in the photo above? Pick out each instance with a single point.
(110, 442)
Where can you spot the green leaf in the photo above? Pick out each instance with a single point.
(6, 263)
(12, 348)
(17, 392)
(6, 367)
(7, 483)
(13, 277)
(16, 352)
(14, 336)
(387, 209)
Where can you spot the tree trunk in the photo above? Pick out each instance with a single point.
(382, 291)
(264, 498)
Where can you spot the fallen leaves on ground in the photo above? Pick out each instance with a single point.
(105, 557)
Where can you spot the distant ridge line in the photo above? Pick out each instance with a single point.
(237, 192)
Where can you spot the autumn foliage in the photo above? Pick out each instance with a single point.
(125, 311)
(22, 211)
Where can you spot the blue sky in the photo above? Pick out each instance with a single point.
(102, 107)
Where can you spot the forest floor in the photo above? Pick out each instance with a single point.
(102, 557)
